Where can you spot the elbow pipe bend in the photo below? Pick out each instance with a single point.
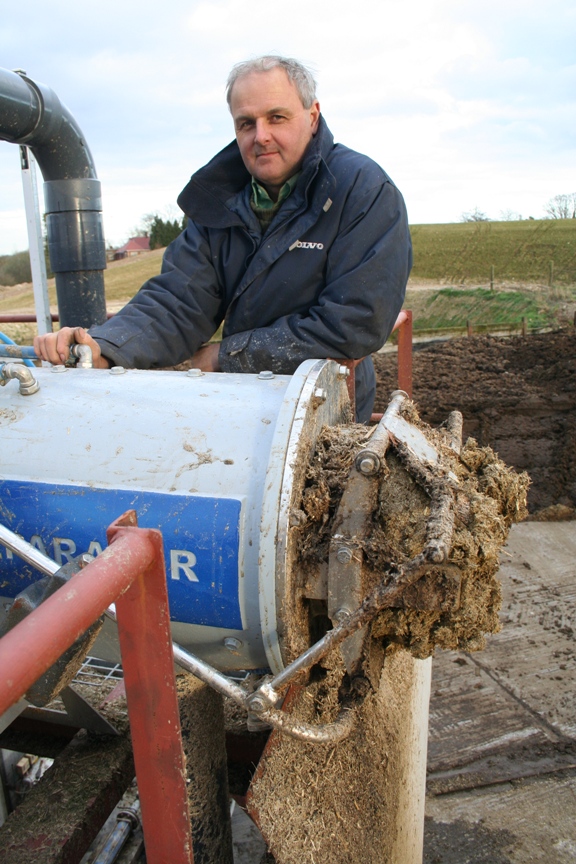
(28, 383)
(31, 114)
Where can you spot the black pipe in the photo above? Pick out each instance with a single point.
(31, 114)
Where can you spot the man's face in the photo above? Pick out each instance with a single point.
(273, 129)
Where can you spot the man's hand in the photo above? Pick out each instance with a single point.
(206, 358)
(55, 347)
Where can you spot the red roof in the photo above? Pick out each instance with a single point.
(135, 244)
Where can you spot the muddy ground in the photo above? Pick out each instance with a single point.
(517, 395)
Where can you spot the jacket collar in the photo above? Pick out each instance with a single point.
(207, 197)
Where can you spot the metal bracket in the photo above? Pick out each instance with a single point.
(352, 522)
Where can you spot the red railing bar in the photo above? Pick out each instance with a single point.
(30, 648)
(404, 326)
(30, 317)
(148, 663)
(405, 351)
(130, 571)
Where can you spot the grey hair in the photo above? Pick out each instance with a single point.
(297, 73)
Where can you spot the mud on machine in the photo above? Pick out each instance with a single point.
(219, 463)
(272, 508)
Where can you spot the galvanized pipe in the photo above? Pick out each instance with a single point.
(32, 114)
(183, 658)
(27, 552)
(262, 701)
(82, 353)
(28, 383)
(203, 671)
(127, 821)
(30, 648)
(34, 644)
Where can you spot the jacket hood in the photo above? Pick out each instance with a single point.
(206, 197)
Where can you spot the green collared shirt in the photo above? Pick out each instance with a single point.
(263, 206)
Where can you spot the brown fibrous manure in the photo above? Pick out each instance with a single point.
(487, 498)
(340, 802)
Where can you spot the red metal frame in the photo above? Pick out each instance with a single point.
(130, 571)
(404, 326)
(30, 317)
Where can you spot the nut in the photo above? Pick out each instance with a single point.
(367, 463)
(232, 644)
(319, 397)
(344, 555)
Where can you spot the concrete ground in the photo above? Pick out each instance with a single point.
(502, 741)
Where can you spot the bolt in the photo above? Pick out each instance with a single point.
(84, 560)
(343, 372)
(58, 368)
(232, 644)
(344, 555)
(367, 463)
(195, 373)
(319, 397)
(117, 370)
(341, 614)
(266, 375)
(436, 555)
(258, 704)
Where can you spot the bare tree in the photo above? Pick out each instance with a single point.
(474, 215)
(562, 207)
(510, 216)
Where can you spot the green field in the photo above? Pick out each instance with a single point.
(449, 289)
(453, 310)
(518, 251)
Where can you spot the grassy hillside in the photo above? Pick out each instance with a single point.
(123, 278)
(518, 251)
(454, 309)
(449, 283)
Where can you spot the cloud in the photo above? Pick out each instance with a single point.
(457, 100)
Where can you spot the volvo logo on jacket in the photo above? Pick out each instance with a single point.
(301, 244)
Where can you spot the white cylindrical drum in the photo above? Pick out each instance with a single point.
(215, 461)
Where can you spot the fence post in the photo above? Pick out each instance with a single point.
(405, 354)
(551, 274)
(492, 277)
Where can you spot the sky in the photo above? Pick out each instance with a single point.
(465, 105)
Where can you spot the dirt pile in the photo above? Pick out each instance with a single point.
(517, 395)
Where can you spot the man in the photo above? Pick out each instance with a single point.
(299, 245)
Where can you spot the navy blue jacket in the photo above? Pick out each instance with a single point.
(327, 279)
